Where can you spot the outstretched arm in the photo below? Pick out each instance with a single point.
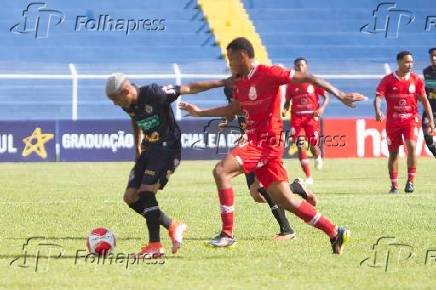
(226, 111)
(346, 98)
(198, 87)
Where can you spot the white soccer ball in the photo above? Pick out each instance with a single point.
(101, 241)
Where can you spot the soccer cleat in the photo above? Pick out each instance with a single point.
(152, 251)
(176, 232)
(222, 241)
(339, 241)
(299, 187)
(393, 190)
(318, 163)
(285, 236)
(309, 181)
(409, 187)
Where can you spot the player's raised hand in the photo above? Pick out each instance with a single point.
(192, 110)
(348, 99)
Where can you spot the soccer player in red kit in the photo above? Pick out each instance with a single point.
(402, 89)
(305, 114)
(256, 95)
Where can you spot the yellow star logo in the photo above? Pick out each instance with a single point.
(35, 143)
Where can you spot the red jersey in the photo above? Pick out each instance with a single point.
(258, 94)
(401, 96)
(304, 98)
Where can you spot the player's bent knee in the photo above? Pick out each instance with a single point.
(257, 197)
(130, 195)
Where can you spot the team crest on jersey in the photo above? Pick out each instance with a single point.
(310, 89)
(412, 88)
(252, 94)
(148, 109)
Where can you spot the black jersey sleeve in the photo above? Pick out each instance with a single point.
(163, 94)
(228, 92)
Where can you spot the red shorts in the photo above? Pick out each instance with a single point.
(308, 124)
(396, 132)
(268, 168)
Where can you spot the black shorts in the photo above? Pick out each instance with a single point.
(250, 178)
(155, 165)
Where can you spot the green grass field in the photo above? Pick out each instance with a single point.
(63, 201)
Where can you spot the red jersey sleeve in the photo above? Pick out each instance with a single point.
(382, 88)
(280, 76)
(420, 88)
(288, 92)
(320, 91)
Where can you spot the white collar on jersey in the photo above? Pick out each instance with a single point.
(406, 76)
(253, 69)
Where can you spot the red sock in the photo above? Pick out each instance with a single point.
(304, 162)
(394, 179)
(411, 172)
(308, 213)
(227, 216)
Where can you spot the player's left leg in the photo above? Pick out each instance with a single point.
(312, 134)
(259, 194)
(410, 136)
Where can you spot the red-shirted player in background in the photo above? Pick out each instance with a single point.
(402, 89)
(256, 94)
(305, 115)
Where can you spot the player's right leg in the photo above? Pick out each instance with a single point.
(259, 194)
(305, 211)
(394, 139)
(312, 129)
(223, 172)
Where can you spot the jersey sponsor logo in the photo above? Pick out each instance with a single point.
(310, 89)
(252, 94)
(148, 109)
(402, 102)
(412, 88)
(149, 123)
(152, 137)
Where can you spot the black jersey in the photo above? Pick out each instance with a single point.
(241, 119)
(430, 85)
(154, 116)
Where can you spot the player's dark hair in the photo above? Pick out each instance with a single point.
(242, 43)
(402, 54)
(430, 51)
(300, 59)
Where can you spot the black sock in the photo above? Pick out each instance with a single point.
(148, 207)
(278, 213)
(165, 220)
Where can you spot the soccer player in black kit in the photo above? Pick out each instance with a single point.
(430, 88)
(158, 150)
(258, 192)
